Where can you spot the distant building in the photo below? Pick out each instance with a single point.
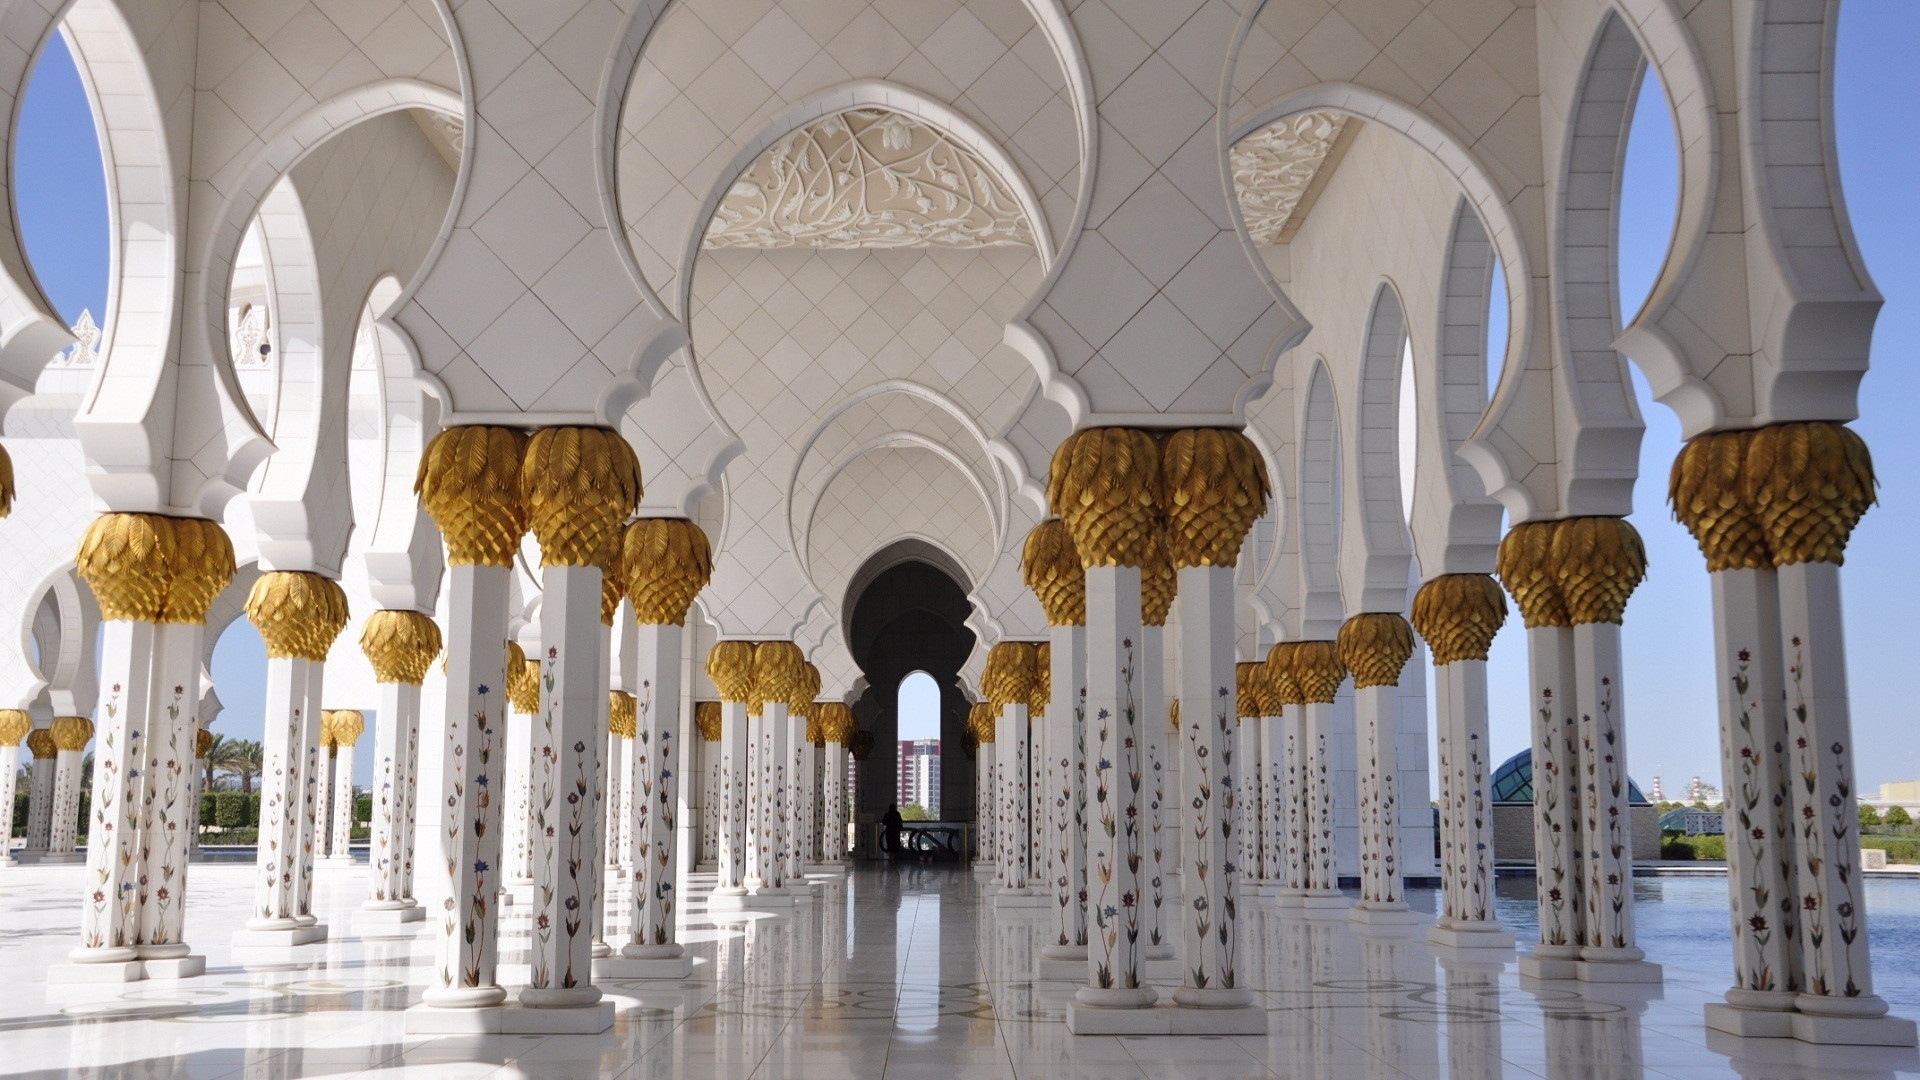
(919, 774)
(1654, 792)
(1512, 789)
(1692, 821)
(1904, 793)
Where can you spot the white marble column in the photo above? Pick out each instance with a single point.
(110, 914)
(476, 705)
(1296, 821)
(1162, 844)
(1836, 981)
(517, 775)
(283, 800)
(798, 757)
(340, 849)
(986, 796)
(1466, 809)
(14, 725)
(396, 751)
(567, 736)
(712, 804)
(1011, 749)
(63, 833)
(166, 804)
(1377, 722)
(40, 793)
(1759, 781)
(1607, 816)
(766, 829)
(1115, 779)
(833, 781)
(652, 948)
(734, 789)
(1210, 976)
(1556, 804)
(1246, 794)
(1323, 883)
(1063, 743)
(311, 794)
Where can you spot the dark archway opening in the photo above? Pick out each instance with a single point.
(907, 610)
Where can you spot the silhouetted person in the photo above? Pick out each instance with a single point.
(890, 825)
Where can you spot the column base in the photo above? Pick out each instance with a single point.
(1159, 952)
(1064, 952)
(1750, 1023)
(1075, 971)
(826, 869)
(1470, 935)
(336, 860)
(1853, 1030)
(1319, 903)
(624, 967)
(389, 916)
(175, 967)
(1383, 915)
(764, 900)
(1619, 971)
(984, 869)
(1021, 899)
(279, 938)
(1165, 1018)
(1555, 964)
(118, 971)
(48, 858)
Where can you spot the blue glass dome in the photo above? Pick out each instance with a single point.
(1513, 782)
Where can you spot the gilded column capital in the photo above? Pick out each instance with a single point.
(778, 669)
(1525, 566)
(730, 666)
(1375, 646)
(806, 687)
(1809, 484)
(1458, 615)
(668, 562)
(579, 484)
(298, 612)
(1051, 566)
(1042, 693)
(1159, 583)
(1104, 483)
(1173, 713)
(622, 714)
(1319, 671)
(523, 681)
(815, 734)
(400, 645)
(71, 732)
(469, 483)
(1213, 487)
(199, 570)
(1010, 674)
(836, 722)
(6, 482)
(1707, 490)
(40, 742)
(124, 559)
(1249, 689)
(706, 719)
(1280, 674)
(1597, 562)
(348, 725)
(15, 724)
(613, 583)
(202, 743)
(980, 723)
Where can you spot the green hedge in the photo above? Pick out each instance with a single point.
(235, 810)
(1686, 848)
(1899, 850)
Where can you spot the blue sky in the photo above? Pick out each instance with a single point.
(1669, 677)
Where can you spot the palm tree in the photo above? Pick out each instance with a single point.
(241, 758)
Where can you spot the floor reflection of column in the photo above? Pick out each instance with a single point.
(1587, 1038)
(1472, 1015)
(1402, 1037)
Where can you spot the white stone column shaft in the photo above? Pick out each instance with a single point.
(276, 902)
(310, 795)
(1377, 725)
(167, 797)
(1063, 744)
(342, 818)
(1295, 820)
(734, 783)
(9, 773)
(1556, 792)
(1322, 874)
(986, 803)
(833, 779)
(1468, 866)
(1152, 733)
(798, 755)
(1010, 762)
(710, 804)
(567, 736)
(40, 804)
(1209, 966)
(1606, 813)
(517, 774)
(766, 841)
(110, 915)
(1116, 766)
(1836, 969)
(476, 705)
(656, 768)
(396, 745)
(63, 832)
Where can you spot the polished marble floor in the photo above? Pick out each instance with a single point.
(898, 974)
